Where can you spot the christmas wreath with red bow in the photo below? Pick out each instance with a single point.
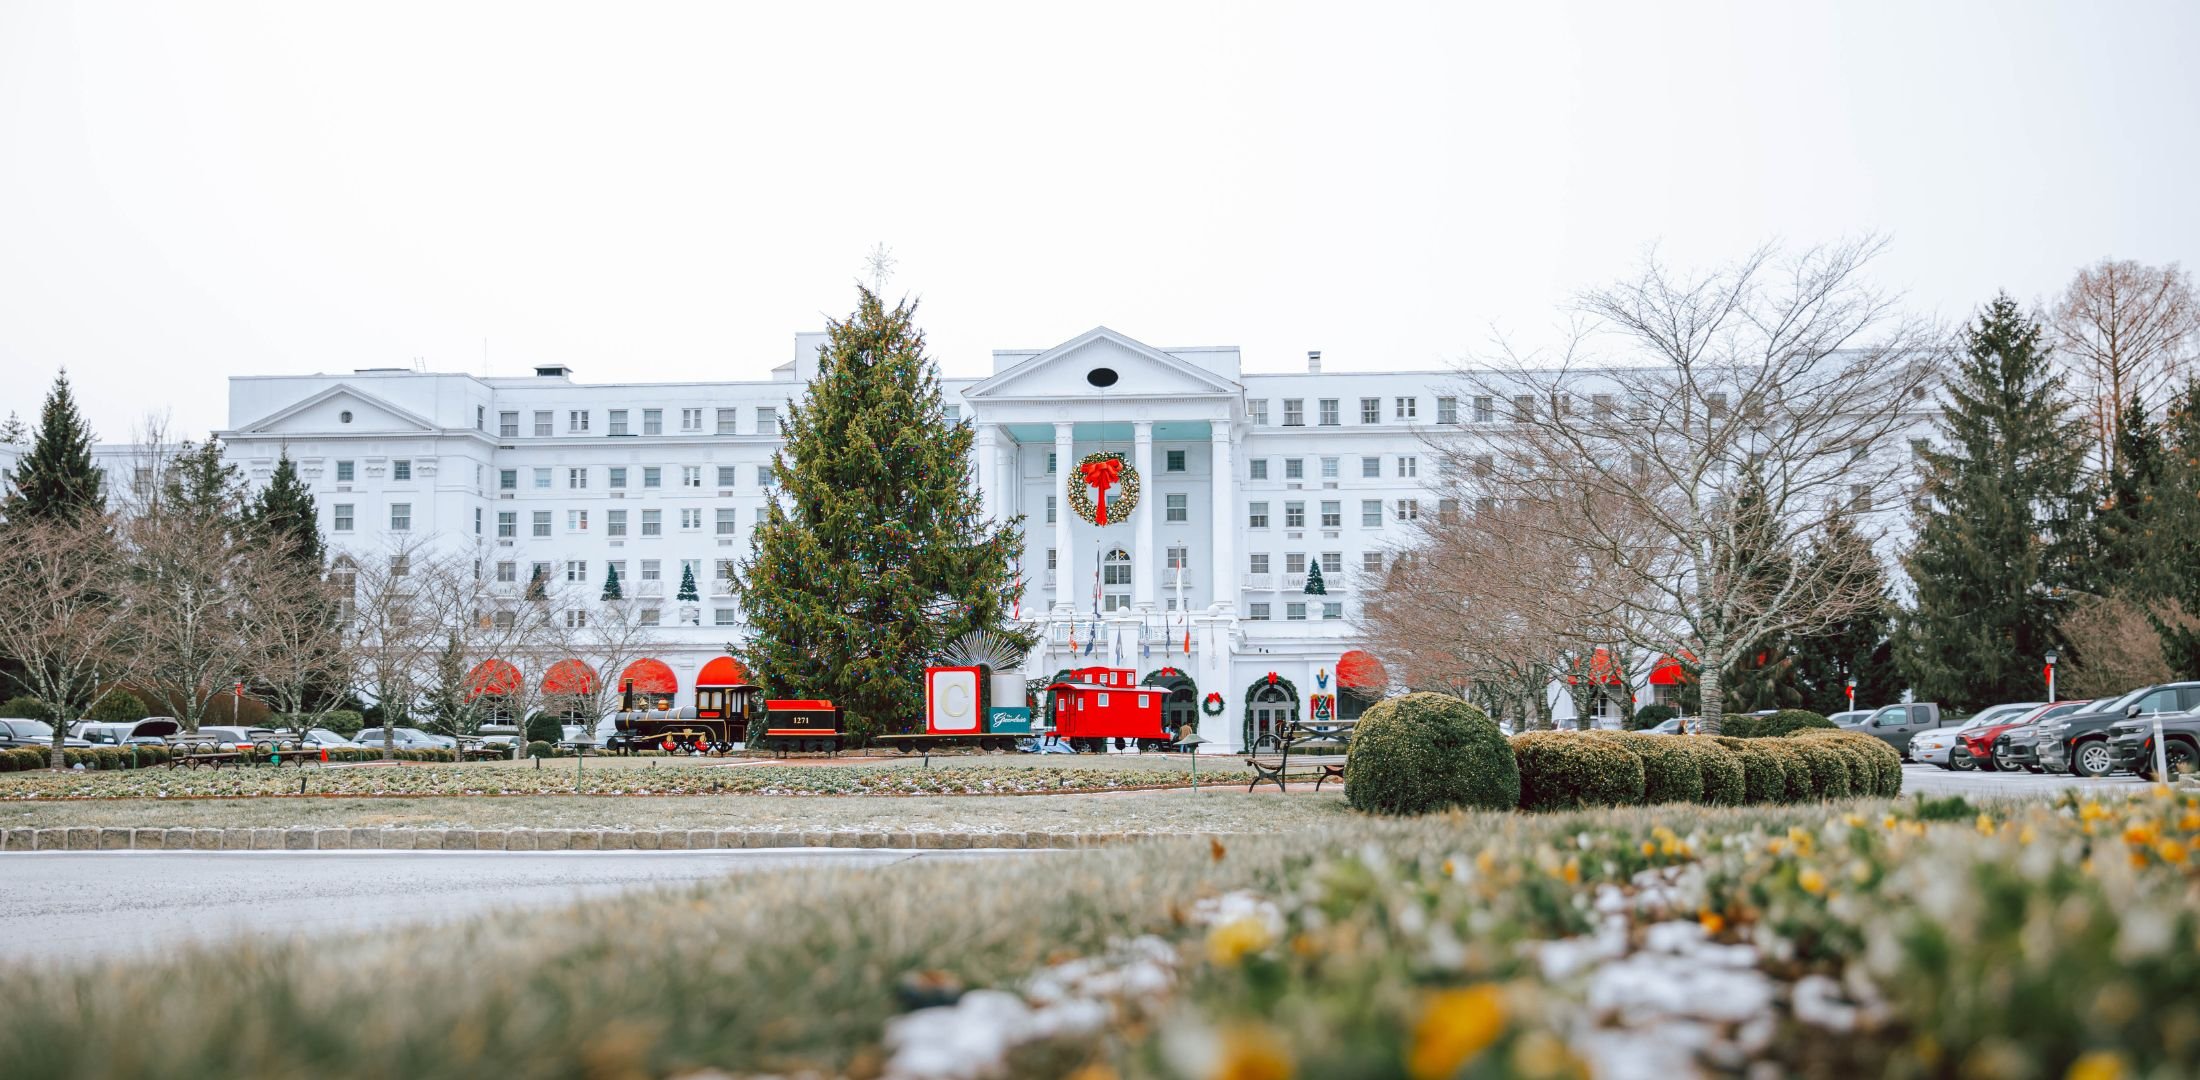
(1101, 472)
(1212, 706)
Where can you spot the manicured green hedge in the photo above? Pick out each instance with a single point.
(1721, 771)
(25, 708)
(1425, 752)
(1790, 721)
(1741, 725)
(1764, 780)
(1669, 773)
(1650, 716)
(1880, 771)
(1828, 770)
(1564, 770)
(539, 748)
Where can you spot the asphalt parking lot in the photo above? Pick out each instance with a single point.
(1934, 780)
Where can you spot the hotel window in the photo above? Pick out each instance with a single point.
(1294, 412)
(341, 517)
(401, 565)
(1447, 510)
(1328, 413)
(653, 523)
(343, 472)
(576, 421)
(576, 570)
(1256, 612)
(541, 523)
(1715, 403)
(1294, 611)
(691, 419)
(543, 428)
(614, 523)
(1329, 468)
(691, 476)
(615, 477)
(614, 422)
(401, 469)
(1294, 468)
(1178, 507)
(1294, 562)
(1409, 510)
(1408, 408)
(1371, 562)
(954, 414)
(722, 576)
(723, 616)
(576, 619)
(1408, 467)
(1332, 562)
(1051, 560)
(1332, 514)
(477, 521)
(1371, 410)
(1485, 409)
(542, 479)
(1256, 515)
(726, 421)
(1371, 467)
(1180, 558)
(576, 479)
(1860, 498)
(1173, 461)
(508, 572)
(1050, 509)
(1256, 411)
(653, 421)
(652, 570)
(576, 521)
(481, 418)
(651, 616)
(1523, 408)
(727, 474)
(764, 476)
(653, 476)
(1371, 512)
(1447, 410)
(538, 572)
(1484, 464)
(1258, 468)
(1294, 515)
(1257, 562)
(1051, 463)
(507, 524)
(767, 420)
(728, 523)
(401, 517)
(1602, 406)
(1332, 609)
(508, 479)
(508, 425)
(617, 565)
(691, 518)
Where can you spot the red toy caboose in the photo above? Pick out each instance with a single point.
(1097, 703)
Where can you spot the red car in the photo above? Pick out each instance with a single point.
(1980, 741)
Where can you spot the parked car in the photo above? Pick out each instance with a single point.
(1849, 718)
(153, 730)
(405, 738)
(1692, 725)
(2131, 745)
(2078, 743)
(1995, 746)
(16, 734)
(224, 737)
(1895, 724)
(1944, 746)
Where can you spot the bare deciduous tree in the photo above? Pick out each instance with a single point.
(2128, 331)
(2116, 647)
(183, 589)
(394, 629)
(1785, 380)
(290, 622)
(59, 616)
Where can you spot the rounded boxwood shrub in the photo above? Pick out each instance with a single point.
(1741, 725)
(1795, 776)
(539, 748)
(1763, 778)
(1425, 752)
(1829, 773)
(117, 707)
(1650, 716)
(1562, 770)
(25, 708)
(1789, 721)
(345, 722)
(1723, 781)
(1669, 773)
(1882, 764)
(545, 727)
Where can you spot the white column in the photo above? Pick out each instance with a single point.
(1142, 519)
(986, 463)
(1065, 467)
(1223, 477)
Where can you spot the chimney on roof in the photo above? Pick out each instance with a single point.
(1314, 361)
(553, 371)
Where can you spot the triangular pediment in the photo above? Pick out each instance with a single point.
(323, 414)
(1141, 371)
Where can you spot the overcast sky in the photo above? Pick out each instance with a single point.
(671, 191)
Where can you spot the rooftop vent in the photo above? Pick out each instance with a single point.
(553, 371)
(1314, 362)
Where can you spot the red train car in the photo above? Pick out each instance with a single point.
(1096, 704)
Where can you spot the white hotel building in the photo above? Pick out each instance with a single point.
(1248, 479)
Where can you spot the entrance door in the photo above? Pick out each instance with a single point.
(1273, 709)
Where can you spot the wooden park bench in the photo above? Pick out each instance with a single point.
(1306, 744)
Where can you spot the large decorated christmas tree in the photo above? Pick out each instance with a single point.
(876, 552)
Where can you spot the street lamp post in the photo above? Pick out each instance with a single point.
(1852, 693)
(2052, 656)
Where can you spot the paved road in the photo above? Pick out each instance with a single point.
(1934, 780)
(73, 906)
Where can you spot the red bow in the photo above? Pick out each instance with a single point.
(1100, 476)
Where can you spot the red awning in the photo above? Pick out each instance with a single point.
(569, 677)
(650, 677)
(723, 671)
(1359, 670)
(1668, 672)
(493, 677)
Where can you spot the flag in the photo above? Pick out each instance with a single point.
(1092, 640)
(1187, 635)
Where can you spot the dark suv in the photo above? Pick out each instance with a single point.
(2078, 743)
(2131, 744)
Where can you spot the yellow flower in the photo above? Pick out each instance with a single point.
(1234, 940)
(2140, 833)
(2098, 1065)
(1854, 821)
(1449, 869)
(2027, 836)
(2092, 811)
(2171, 851)
(1712, 921)
(1541, 1054)
(1571, 872)
(1985, 825)
(1251, 1053)
(1484, 863)
(1889, 822)
(1649, 848)
(1811, 880)
(1455, 1025)
(1800, 839)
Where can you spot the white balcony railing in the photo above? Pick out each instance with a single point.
(1294, 582)
(649, 588)
(1260, 582)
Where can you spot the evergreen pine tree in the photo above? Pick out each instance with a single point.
(1995, 539)
(12, 432)
(1857, 648)
(538, 583)
(2170, 577)
(611, 589)
(687, 591)
(1314, 583)
(2119, 542)
(1763, 678)
(283, 513)
(877, 553)
(203, 484)
(57, 479)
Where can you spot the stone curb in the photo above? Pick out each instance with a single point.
(110, 838)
